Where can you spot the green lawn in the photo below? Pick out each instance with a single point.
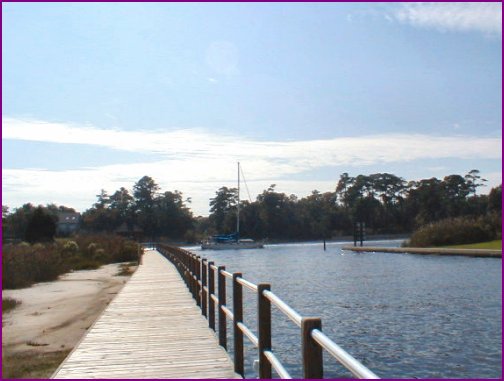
(494, 245)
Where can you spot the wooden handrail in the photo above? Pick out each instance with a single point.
(253, 338)
(282, 306)
(277, 365)
(228, 312)
(246, 283)
(227, 274)
(357, 369)
(201, 275)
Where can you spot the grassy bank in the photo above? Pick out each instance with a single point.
(491, 245)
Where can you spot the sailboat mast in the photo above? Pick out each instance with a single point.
(238, 205)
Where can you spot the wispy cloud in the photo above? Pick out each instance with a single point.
(278, 157)
(198, 162)
(481, 17)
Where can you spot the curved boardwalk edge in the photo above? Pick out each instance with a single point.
(428, 250)
(152, 329)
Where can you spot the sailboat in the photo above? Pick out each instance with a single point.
(232, 241)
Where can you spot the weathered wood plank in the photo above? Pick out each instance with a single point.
(152, 329)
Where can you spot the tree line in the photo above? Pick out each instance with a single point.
(384, 202)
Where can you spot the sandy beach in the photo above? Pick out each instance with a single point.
(53, 317)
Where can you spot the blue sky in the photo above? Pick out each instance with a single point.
(97, 95)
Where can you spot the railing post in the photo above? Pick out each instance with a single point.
(190, 270)
(211, 292)
(197, 271)
(264, 330)
(140, 255)
(222, 302)
(193, 278)
(187, 265)
(203, 286)
(238, 318)
(313, 366)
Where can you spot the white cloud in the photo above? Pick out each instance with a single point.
(197, 162)
(482, 16)
(269, 156)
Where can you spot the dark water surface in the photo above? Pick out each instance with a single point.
(401, 315)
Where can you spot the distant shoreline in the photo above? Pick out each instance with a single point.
(429, 250)
(343, 238)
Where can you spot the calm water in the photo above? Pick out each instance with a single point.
(402, 315)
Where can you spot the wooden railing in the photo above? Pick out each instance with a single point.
(200, 275)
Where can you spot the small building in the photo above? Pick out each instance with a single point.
(129, 230)
(68, 223)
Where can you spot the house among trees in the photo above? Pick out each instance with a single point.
(129, 230)
(68, 223)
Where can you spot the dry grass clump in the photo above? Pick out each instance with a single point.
(24, 264)
(30, 364)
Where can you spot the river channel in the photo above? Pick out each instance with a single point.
(401, 315)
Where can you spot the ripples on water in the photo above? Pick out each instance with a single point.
(401, 315)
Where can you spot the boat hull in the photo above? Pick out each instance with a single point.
(231, 245)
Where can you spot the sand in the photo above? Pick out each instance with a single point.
(54, 316)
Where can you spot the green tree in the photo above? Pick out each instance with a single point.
(278, 213)
(344, 183)
(318, 210)
(173, 216)
(122, 207)
(456, 189)
(41, 227)
(17, 222)
(5, 214)
(495, 200)
(223, 210)
(426, 201)
(144, 192)
(99, 219)
(103, 199)
(474, 181)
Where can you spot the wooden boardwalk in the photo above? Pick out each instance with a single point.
(152, 329)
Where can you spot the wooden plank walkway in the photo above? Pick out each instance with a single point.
(152, 329)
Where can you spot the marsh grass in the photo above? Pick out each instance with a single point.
(24, 264)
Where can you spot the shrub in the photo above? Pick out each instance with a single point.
(457, 231)
(9, 304)
(70, 248)
(99, 255)
(91, 248)
(24, 265)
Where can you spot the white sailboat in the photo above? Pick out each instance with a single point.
(232, 241)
